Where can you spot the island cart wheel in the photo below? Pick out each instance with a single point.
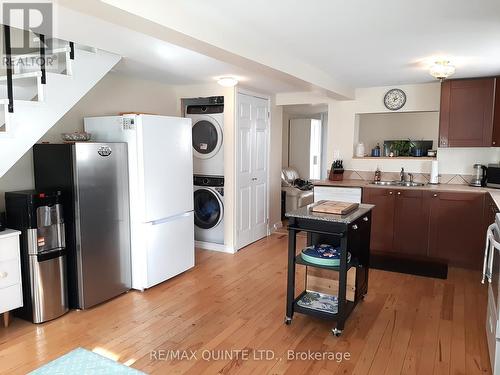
(336, 332)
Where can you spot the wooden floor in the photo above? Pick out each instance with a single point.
(406, 325)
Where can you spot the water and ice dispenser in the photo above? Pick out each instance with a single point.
(39, 216)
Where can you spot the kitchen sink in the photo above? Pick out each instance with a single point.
(398, 183)
(410, 184)
(386, 183)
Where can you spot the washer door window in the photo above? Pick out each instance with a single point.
(208, 209)
(207, 138)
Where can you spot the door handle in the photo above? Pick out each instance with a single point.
(399, 193)
(3, 275)
(254, 179)
(390, 193)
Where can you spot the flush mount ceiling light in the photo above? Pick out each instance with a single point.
(227, 81)
(442, 69)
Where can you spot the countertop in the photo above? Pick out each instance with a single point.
(9, 233)
(495, 193)
(307, 213)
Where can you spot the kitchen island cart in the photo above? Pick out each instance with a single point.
(350, 235)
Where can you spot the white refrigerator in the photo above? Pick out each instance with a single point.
(160, 162)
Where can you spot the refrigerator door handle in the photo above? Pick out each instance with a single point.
(170, 218)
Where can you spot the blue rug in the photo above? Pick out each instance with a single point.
(83, 362)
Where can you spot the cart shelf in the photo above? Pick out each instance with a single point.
(353, 263)
(321, 314)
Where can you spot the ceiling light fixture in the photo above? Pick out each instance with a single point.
(442, 69)
(227, 81)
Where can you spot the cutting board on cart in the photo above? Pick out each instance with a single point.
(333, 207)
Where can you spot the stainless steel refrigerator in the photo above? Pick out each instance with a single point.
(93, 178)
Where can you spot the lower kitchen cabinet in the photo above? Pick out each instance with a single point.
(489, 212)
(382, 218)
(456, 230)
(446, 227)
(400, 220)
(411, 223)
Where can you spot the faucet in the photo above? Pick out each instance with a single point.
(402, 175)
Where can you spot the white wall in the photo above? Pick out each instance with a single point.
(115, 93)
(343, 132)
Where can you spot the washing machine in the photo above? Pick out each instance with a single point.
(209, 209)
(207, 115)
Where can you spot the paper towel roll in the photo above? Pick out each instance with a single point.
(434, 173)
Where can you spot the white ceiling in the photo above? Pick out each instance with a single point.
(148, 57)
(344, 44)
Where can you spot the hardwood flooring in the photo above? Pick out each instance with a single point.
(406, 324)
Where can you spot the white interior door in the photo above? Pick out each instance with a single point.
(252, 153)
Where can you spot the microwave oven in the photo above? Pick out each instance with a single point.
(493, 176)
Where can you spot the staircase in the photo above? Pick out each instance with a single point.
(35, 95)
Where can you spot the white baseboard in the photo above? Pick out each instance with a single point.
(214, 247)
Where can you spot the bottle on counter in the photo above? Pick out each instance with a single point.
(378, 175)
(376, 151)
(360, 150)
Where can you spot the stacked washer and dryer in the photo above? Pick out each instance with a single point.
(207, 115)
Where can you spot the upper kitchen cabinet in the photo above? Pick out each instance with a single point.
(495, 140)
(466, 116)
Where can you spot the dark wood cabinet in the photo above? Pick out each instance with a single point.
(382, 218)
(466, 114)
(445, 227)
(411, 223)
(489, 212)
(456, 229)
(400, 220)
(495, 139)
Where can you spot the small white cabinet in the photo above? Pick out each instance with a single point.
(11, 292)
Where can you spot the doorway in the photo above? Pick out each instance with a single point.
(304, 148)
(304, 154)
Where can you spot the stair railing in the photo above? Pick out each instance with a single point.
(8, 62)
(10, 68)
(41, 37)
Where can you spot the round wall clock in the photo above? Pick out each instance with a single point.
(394, 99)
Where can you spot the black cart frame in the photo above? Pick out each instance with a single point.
(352, 234)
